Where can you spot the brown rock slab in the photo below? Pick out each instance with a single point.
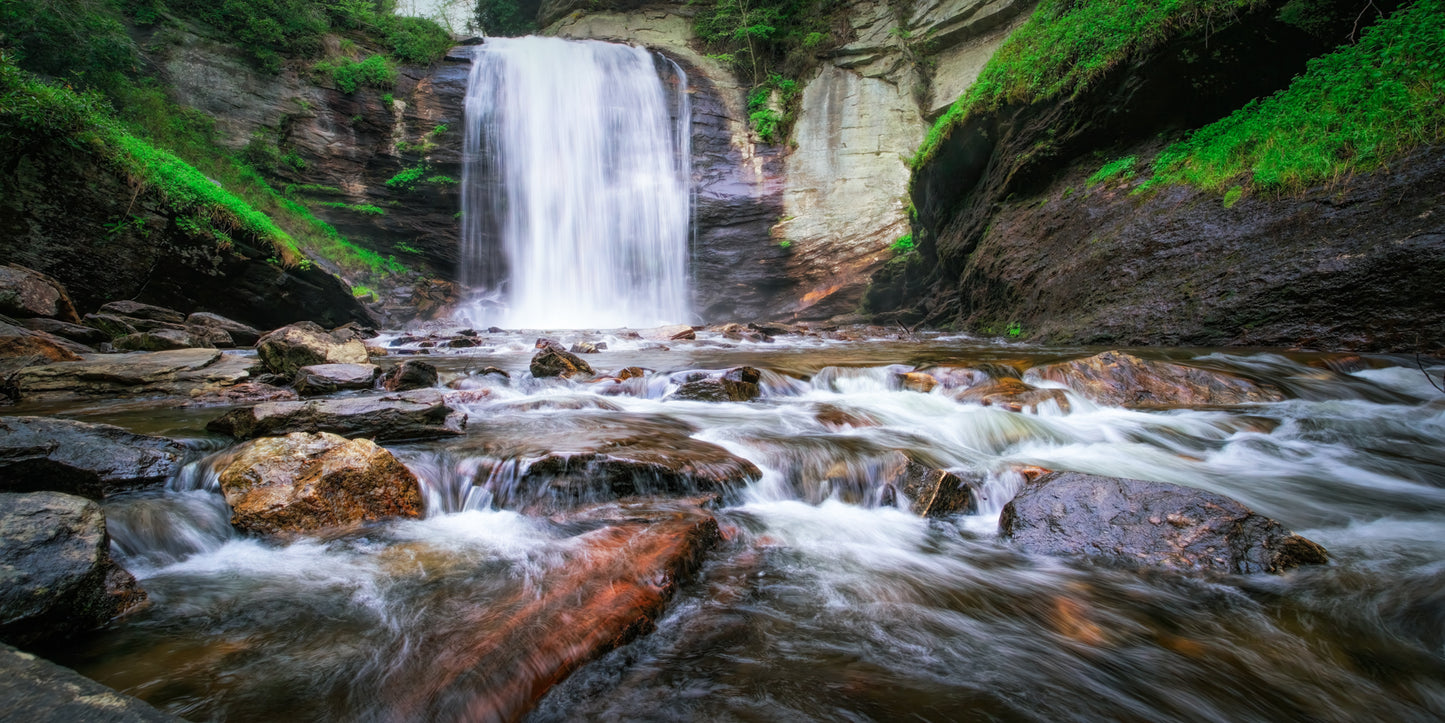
(389, 418)
(44, 453)
(159, 340)
(739, 384)
(289, 348)
(39, 691)
(1150, 523)
(304, 482)
(184, 372)
(18, 342)
(1012, 394)
(933, 492)
(243, 393)
(137, 310)
(56, 575)
(552, 360)
(614, 586)
(1119, 379)
(916, 382)
(77, 333)
(674, 332)
(240, 334)
(411, 374)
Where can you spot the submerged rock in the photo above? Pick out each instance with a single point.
(328, 378)
(612, 587)
(391, 418)
(1150, 523)
(42, 453)
(39, 691)
(289, 348)
(304, 482)
(56, 575)
(552, 360)
(739, 384)
(1012, 394)
(29, 293)
(412, 374)
(1119, 379)
(915, 381)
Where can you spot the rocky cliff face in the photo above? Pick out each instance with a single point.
(795, 230)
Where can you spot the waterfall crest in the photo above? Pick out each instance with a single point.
(576, 187)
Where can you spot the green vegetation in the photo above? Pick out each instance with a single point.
(348, 75)
(785, 244)
(506, 18)
(1233, 195)
(1014, 330)
(903, 245)
(364, 292)
(407, 178)
(364, 209)
(1066, 45)
(408, 248)
(1352, 111)
(1121, 167)
(769, 42)
(441, 180)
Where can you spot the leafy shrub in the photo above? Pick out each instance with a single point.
(348, 75)
(1121, 167)
(407, 178)
(903, 245)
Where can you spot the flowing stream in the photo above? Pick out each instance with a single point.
(824, 600)
(576, 188)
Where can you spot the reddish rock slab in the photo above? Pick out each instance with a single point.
(1012, 394)
(1119, 379)
(611, 589)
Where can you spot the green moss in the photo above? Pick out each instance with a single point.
(1352, 111)
(1233, 195)
(1121, 167)
(349, 75)
(407, 178)
(903, 245)
(1066, 45)
(364, 209)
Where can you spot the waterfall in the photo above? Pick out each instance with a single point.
(576, 188)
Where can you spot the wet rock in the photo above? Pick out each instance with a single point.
(554, 361)
(240, 334)
(289, 348)
(328, 378)
(74, 332)
(159, 340)
(1013, 395)
(618, 575)
(137, 310)
(208, 337)
(933, 492)
(58, 578)
(29, 293)
(410, 374)
(184, 372)
(739, 384)
(1120, 379)
(304, 482)
(375, 351)
(462, 343)
(19, 342)
(1150, 523)
(352, 331)
(42, 453)
(957, 377)
(675, 332)
(587, 347)
(390, 418)
(626, 373)
(37, 690)
(243, 393)
(915, 381)
(837, 419)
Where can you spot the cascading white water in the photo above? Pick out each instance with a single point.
(578, 161)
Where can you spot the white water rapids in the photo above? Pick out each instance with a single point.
(576, 190)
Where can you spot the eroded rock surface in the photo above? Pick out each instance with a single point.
(739, 384)
(1150, 523)
(286, 350)
(184, 372)
(29, 293)
(329, 378)
(390, 418)
(42, 453)
(410, 374)
(1012, 394)
(56, 575)
(35, 689)
(304, 482)
(553, 360)
(1121, 379)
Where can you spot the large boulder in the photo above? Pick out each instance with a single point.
(391, 418)
(1120, 379)
(932, 492)
(410, 374)
(289, 348)
(26, 293)
(160, 340)
(240, 334)
(553, 360)
(1150, 523)
(43, 453)
(137, 310)
(303, 482)
(77, 333)
(739, 384)
(184, 372)
(328, 378)
(39, 691)
(18, 342)
(56, 575)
